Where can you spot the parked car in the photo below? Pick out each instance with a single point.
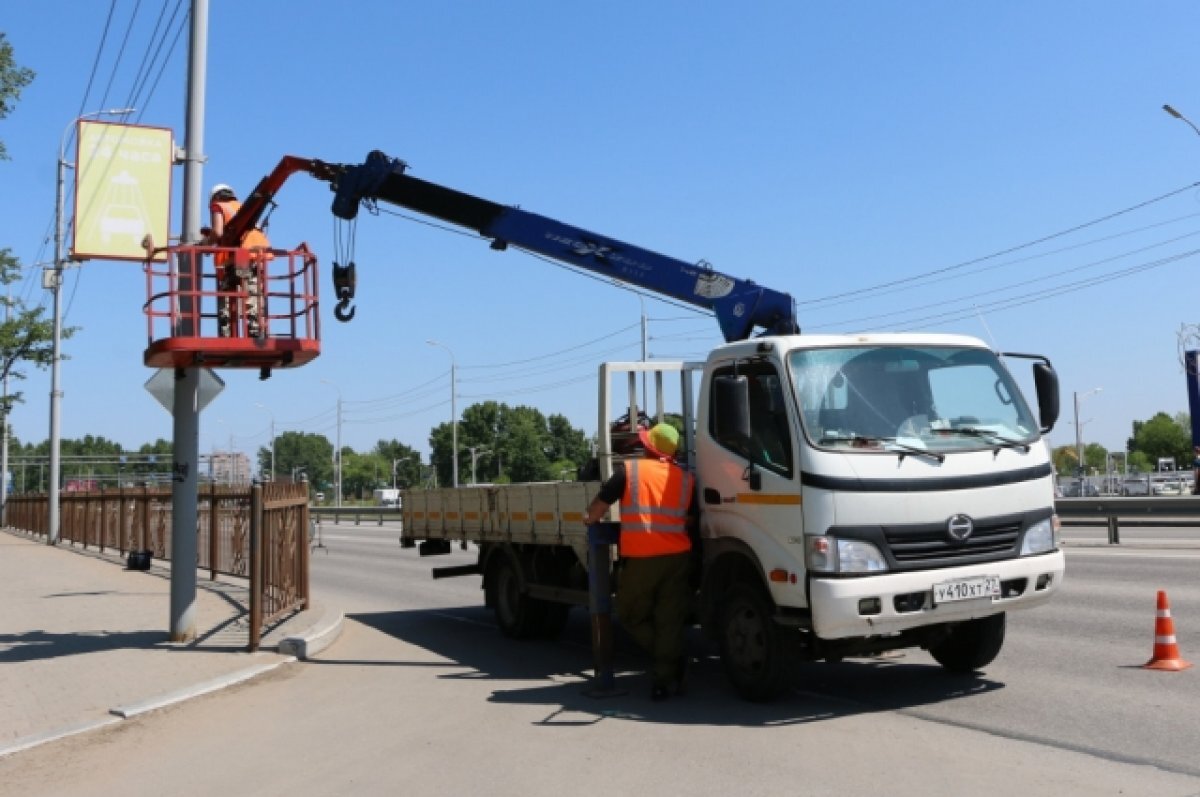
(1073, 489)
(1136, 485)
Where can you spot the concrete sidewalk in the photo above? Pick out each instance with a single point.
(84, 642)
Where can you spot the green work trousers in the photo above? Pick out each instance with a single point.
(653, 601)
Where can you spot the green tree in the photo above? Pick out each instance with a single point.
(405, 459)
(1162, 436)
(26, 336)
(13, 78)
(303, 454)
(517, 444)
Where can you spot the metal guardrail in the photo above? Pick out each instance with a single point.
(356, 514)
(1131, 512)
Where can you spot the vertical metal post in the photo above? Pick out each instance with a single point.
(56, 346)
(256, 566)
(1114, 532)
(186, 407)
(601, 537)
(214, 528)
(4, 474)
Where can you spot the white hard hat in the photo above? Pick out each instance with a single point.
(221, 188)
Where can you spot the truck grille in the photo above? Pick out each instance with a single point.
(917, 546)
(929, 543)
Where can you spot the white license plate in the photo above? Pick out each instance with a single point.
(967, 589)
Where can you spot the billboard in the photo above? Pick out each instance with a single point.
(122, 190)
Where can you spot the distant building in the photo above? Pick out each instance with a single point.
(229, 467)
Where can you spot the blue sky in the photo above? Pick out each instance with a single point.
(993, 163)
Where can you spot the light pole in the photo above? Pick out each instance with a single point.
(475, 452)
(264, 408)
(453, 411)
(1182, 118)
(56, 344)
(337, 454)
(1079, 397)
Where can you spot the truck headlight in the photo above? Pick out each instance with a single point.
(834, 555)
(1041, 537)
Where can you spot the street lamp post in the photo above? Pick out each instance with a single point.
(396, 467)
(475, 452)
(453, 411)
(337, 455)
(1079, 397)
(1182, 118)
(56, 340)
(263, 407)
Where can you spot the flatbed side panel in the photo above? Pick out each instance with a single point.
(548, 513)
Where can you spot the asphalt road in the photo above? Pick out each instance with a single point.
(421, 693)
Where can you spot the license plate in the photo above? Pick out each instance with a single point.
(967, 589)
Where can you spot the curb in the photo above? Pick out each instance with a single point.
(120, 713)
(315, 639)
(203, 688)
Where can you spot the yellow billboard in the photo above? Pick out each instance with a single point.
(122, 190)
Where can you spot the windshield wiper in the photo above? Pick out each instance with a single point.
(987, 434)
(893, 446)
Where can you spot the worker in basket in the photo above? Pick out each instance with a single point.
(237, 272)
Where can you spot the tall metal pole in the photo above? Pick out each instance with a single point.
(453, 409)
(339, 449)
(267, 409)
(1079, 434)
(56, 278)
(645, 407)
(337, 454)
(1078, 444)
(4, 432)
(186, 404)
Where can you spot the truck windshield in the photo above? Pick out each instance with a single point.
(897, 398)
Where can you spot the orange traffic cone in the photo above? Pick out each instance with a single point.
(1166, 652)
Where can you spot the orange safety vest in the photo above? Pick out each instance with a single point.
(654, 509)
(253, 238)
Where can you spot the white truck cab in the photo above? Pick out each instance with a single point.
(870, 492)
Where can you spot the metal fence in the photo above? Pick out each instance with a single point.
(1157, 511)
(258, 532)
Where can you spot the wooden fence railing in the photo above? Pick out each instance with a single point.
(259, 533)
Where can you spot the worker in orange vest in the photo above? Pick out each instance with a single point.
(233, 276)
(658, 520)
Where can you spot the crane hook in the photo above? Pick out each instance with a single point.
(344, 282)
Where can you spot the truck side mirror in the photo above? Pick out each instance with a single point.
(1045, 380)
(731, 412)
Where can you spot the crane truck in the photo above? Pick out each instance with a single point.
(858, 493)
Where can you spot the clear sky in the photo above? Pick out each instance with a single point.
(1003, 170)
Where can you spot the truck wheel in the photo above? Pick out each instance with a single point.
(753, 646)
(518, 615)
(972, 645)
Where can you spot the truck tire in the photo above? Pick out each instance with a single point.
(972, 645)
(519, 615)
(754, 648)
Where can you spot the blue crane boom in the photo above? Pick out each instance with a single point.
(741, 306)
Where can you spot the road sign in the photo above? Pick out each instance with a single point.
(162, 387)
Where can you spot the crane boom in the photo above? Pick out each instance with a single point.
(741, 306)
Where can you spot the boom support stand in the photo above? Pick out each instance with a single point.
(601, 538)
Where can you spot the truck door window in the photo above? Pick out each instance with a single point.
(770, 438)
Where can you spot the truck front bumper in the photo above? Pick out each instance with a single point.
(893, 602)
